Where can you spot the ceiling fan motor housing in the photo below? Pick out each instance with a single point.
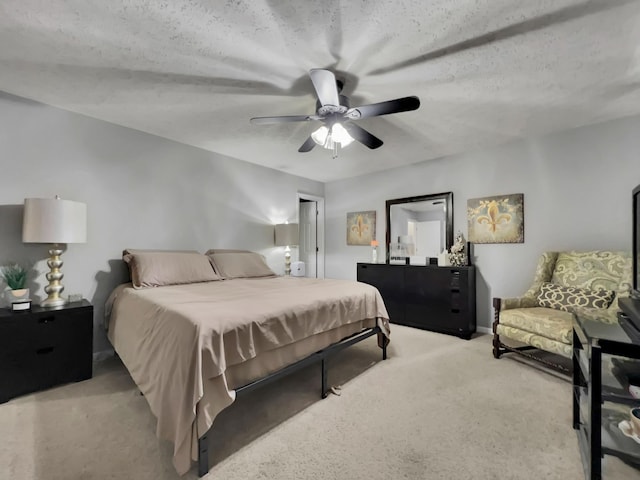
(334, 110)
(329, 109)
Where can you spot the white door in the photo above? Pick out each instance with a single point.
(428, 239)
(308, 237)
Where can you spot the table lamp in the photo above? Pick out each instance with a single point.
(55, 221)
(286, 236)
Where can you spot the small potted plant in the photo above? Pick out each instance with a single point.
(15, 276)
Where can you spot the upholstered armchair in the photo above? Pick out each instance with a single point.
(564, 281)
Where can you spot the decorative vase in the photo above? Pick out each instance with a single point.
(20, 295)
(374, 251)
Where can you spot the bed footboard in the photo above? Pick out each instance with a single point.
(321, 355)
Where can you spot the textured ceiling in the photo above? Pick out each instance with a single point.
(195, 71)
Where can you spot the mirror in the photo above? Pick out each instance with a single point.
(420, 226)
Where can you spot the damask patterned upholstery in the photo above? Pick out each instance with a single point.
(526, 319)
(567, 298)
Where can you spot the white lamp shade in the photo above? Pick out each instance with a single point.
(53, 220)
(286, 234)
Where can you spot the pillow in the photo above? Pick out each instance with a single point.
(239, 264)
(567, 298)
(155, 268)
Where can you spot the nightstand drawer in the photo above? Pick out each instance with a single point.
(24, 330)
(41, 368)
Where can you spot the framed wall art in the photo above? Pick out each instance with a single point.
(361, 227)
(498, 219)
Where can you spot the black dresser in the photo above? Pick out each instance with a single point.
(45, 347)
(441, 299)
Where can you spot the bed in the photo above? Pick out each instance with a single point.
(194, 329)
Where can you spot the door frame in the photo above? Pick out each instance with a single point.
(319, 227)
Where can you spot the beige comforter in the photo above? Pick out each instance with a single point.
(188, 346)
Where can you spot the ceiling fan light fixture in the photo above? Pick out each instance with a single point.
(320, 135)
(340, 135)
(332, 108)
(329, 139)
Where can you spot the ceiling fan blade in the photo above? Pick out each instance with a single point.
(284, 119)
(307, 146)
(360, 134)
(404, 104)
(324, 82)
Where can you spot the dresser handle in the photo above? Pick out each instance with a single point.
(455, 310)
(48, 319)
(44, 351)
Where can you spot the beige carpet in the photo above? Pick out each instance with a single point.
(439, 408)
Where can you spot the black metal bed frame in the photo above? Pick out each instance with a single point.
(321, 355)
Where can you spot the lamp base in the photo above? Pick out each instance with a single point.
(55, 288)
(53, 302)
(287, 261)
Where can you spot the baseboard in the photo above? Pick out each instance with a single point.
(484, 330)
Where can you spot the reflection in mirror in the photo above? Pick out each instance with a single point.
(420, 226)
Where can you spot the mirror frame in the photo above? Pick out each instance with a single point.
(446, 196)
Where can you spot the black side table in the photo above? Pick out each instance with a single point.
(597, 348)
(45, 347)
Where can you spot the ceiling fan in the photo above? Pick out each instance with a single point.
(333, 110)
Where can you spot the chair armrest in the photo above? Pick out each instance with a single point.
(507, 303)
(516, 302)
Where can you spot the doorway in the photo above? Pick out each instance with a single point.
(311, 242)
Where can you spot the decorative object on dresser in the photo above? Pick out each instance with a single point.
(45, 347)
(286, 235)
(577, 279)
(418, 226)
(374, 251)
(458, 256)
(498, 219)
(56, 221)
(361, 227)
(441, 299)
(15, 276)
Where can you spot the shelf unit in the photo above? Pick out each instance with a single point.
(600, 400)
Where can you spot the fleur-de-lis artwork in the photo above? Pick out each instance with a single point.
(361, 227)
(498, 219)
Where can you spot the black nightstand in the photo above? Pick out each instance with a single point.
(45, 347)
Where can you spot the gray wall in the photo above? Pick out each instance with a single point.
(577, 195)
(146, 192)
(141, 191)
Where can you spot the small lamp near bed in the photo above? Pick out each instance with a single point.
(55, 221)
(287, 236)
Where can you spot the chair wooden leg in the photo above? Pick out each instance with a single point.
(497, 348)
